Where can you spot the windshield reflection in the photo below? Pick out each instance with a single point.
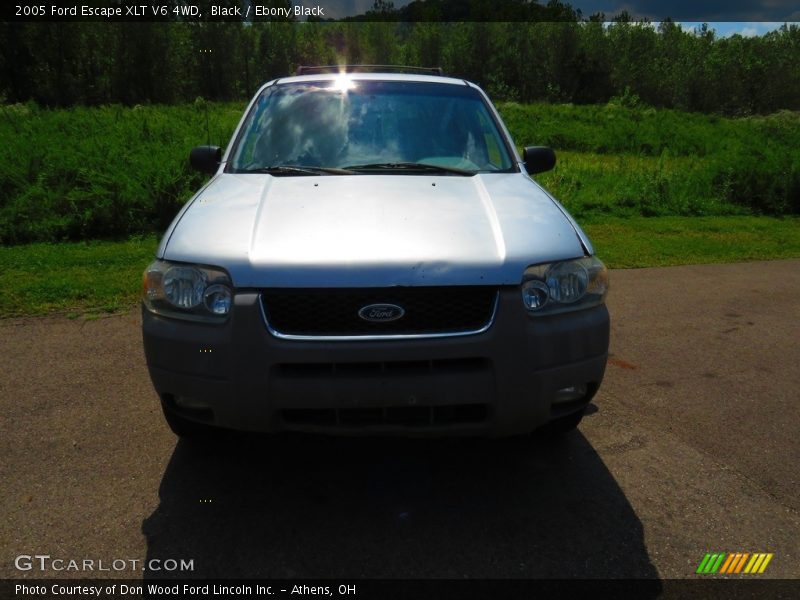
(328, 124)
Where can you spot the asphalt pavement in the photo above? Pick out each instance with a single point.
(691, 446)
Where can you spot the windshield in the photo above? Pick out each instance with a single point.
(368, 125)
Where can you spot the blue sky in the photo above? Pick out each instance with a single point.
(717, 11)
(749, 16)
(745, 28)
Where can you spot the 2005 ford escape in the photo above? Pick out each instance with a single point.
(370, 255)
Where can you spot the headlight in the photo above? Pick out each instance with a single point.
(187, 291)
(184, 286)
(563, 286)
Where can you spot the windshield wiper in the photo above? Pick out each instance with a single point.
(409, 166)
(298, 170)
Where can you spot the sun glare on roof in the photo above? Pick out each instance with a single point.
(343, 83)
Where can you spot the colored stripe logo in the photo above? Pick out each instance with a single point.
(734, 563)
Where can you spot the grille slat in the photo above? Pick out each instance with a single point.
(334, 312)
(407, 416)
(448, 366)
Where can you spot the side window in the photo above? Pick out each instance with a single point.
(246, 153)
(493, 143)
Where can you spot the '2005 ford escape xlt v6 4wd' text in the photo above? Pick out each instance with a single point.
(370, 255)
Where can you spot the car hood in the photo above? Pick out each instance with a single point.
(371, 230)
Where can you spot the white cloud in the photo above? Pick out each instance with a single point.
(727, 29)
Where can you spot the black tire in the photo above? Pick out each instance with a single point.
(563, 425)
(187, 429)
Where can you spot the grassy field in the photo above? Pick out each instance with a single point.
(111, 172)
(75, 278)
(669, 241)
(104, 172)
(652, 188)
(646, 162)
(83, 279)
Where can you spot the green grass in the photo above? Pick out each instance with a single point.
(102, 172)
(615, 160)
(111, 171)
(75, 278)
(613, 129)
(601, 185)
(668, 241)
(93, 278)
(652, 188)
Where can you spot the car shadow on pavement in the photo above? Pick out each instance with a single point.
(317, 507)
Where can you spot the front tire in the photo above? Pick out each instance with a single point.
(186, 429)
(563, 425)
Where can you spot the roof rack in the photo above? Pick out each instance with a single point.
(306, 70)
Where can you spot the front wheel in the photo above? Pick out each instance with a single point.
(562, 425)
(187, 429)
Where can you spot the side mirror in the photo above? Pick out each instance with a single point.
(539, 159)
(206, 158)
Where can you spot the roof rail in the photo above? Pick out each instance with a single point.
(307, 70)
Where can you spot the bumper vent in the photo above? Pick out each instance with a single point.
(456, 310)
(404, 416)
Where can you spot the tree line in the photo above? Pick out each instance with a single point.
(577, 61)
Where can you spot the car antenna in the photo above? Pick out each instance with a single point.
(208, 129)
(205, 101)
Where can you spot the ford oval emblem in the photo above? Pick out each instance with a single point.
(381, 313)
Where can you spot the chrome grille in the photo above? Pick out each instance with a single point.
(455, 310)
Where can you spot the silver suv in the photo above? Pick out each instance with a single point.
(371, 256)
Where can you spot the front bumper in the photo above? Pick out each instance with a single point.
(499, 382)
